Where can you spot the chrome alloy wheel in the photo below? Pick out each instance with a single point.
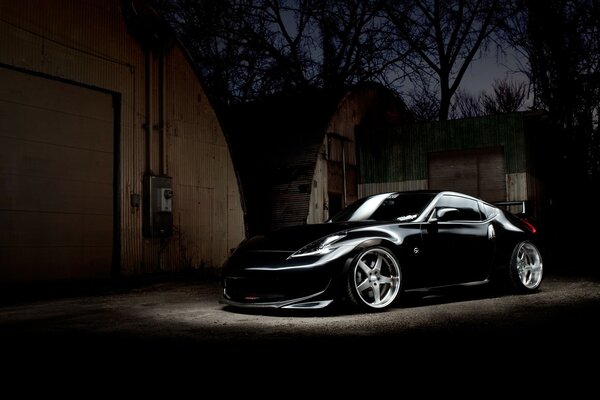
(529, 265)
(376, 278)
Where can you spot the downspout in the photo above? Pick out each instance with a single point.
(163, 113)
(149, 111)
(344, 171)
(343, 140)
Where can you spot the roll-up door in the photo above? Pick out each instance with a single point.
(56, 179)
(478, 172)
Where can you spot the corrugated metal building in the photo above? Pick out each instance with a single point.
(112, 160)
(499, 158)
(296, 154)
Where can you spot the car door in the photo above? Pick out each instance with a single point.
(458, 245)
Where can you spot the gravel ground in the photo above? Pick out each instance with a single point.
(164, 326)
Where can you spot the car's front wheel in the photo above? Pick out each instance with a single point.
(374, 279)
(526, 268)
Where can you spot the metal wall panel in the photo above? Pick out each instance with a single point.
(56, 176)
(198, 159)
(478, 172)
(401, 153)
(368, 189)
(400, 156)
(318, 211)
(87, 42)
(366, 108)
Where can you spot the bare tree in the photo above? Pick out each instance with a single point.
(465, 105)
(423, 105)
(445, 37)
(351, 42)
(560, 39)
(247, 49)
(507, 96)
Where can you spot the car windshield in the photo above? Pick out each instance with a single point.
(402, 207)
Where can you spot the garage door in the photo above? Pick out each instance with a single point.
(478, 172)
(56, 178)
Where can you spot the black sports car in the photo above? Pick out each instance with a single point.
(380, 246)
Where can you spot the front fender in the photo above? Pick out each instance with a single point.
(368, 243)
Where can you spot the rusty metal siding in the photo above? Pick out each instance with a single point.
(198, 159)
(401, 153)
(504, 130)
(477, 172)
(381, 187)
(285, 134)
(318, 211)
(67, 38)
(290, 195)
(366, 108)
(369, 106)
(397, 157)
(87, 42)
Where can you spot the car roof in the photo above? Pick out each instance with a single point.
(426, 191)
(437, 193)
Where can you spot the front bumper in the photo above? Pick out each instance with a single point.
(306, 303)
(282, 291)
(265, 280)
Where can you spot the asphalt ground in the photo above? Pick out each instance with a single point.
(178, 327)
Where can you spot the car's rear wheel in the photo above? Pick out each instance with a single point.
(526, 268)
(374, 279)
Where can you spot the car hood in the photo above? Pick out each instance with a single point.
(293, 238)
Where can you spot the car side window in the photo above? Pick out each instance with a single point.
(400, 207)
(468, 209)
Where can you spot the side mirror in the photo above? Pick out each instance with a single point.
(446, 214)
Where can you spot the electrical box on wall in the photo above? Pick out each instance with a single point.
(158, 206)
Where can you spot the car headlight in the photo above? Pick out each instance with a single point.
(319, 247)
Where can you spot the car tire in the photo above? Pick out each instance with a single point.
(374, 279)
(526, 268)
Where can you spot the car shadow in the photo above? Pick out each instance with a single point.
(411, 299)
(330, 311)
(450, 294)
